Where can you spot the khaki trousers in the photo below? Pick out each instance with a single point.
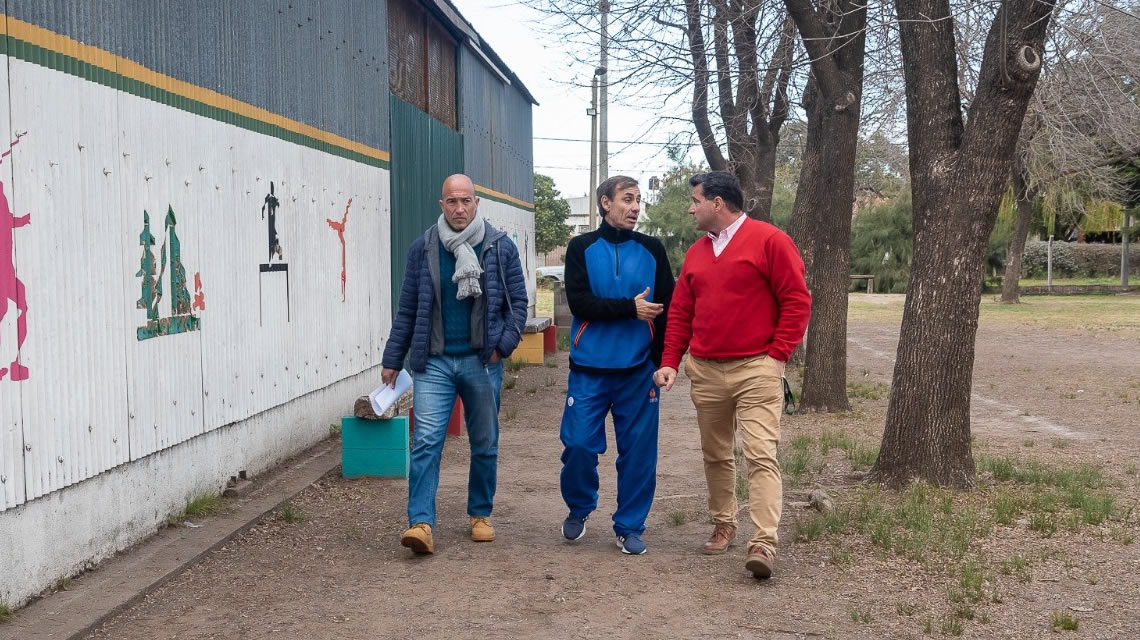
(748, 392)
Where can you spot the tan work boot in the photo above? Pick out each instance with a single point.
(720, 539)
(418, 538)
(760, 561)
(481, 530)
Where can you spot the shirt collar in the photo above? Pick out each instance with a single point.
(730, 229)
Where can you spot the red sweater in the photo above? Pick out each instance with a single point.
(753, 299)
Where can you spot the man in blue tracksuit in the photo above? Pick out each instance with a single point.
(618, 286)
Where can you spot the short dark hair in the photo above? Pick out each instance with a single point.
(610, 187)
(720, 183)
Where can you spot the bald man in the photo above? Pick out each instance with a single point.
(462, 308)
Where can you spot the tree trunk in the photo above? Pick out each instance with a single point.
(821, 215)
(821, 227)
(1025, 197)
(1125, 262)
(757, 182)
(958, 176)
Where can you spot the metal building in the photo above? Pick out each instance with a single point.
(205, 206)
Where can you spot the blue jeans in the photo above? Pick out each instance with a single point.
(434, 393)
(632, 398)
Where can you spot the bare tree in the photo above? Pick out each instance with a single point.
(730, 65)
(753, 111)
(959, 164)
(834, 34)
(1083, 119)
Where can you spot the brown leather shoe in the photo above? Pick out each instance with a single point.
(759, 562)
(720, 539)
(481, 530)
(418, 538)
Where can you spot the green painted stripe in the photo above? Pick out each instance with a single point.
(37, 55)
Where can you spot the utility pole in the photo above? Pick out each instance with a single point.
(1124, 261)
(593, 113)
(603, 127)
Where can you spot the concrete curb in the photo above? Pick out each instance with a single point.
(122, 581)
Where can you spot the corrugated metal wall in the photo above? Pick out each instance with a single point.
(424, 153)
(188, 111)
(495, 120)
(320, 63)
(158, 131)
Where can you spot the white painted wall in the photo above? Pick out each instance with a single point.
(518, 223)
(110, 434)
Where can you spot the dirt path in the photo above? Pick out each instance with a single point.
(340, 573)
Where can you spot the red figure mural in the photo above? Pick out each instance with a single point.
(199, 295)
(10, 286)
(339, 227)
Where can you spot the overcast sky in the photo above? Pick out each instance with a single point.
(547, 71)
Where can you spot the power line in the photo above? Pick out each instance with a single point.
(656, 144)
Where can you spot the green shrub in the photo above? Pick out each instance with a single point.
(881, 245)
(1035, 260)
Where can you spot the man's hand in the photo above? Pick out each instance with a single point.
(388, 376)
(665, 377)
(647, 310)
(495, 357)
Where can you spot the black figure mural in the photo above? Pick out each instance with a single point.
(269, 266)
(271, 203)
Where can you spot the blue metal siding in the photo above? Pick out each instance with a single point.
(323, 64)
(495, 120)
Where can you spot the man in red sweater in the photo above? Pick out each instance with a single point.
(740, 308)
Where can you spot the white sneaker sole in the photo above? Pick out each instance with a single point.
(580, 535)
(627, 552)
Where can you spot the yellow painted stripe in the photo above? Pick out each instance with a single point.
(103, 59)
(502, 196)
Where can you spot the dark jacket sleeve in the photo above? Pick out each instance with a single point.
(663, 294)
(580, 297)
(404, 324)
(515, 293)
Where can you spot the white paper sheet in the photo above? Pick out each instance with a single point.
(384, 396)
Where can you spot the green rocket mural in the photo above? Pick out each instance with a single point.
(181, 318)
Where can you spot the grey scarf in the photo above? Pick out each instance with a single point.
(460, 243)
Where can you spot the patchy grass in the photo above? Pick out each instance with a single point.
(1017, 566)
(510, 413)
(513, 366)
(829, 440)
(1062, 620)
(63, 583)
(563, 339)
(794, 464)
(905, 608)
(951, 627)
(510, 383)
(678, 518)
(544, 301)
(291, 513)
(1088, 313)
(530, 391)
(863, 456)
(334, 429)
(204, 504)
(868, 390)
(5, 612)
(861, 616)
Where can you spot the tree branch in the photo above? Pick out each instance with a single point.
(697, 50)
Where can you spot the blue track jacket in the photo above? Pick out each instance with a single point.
(605, 270)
